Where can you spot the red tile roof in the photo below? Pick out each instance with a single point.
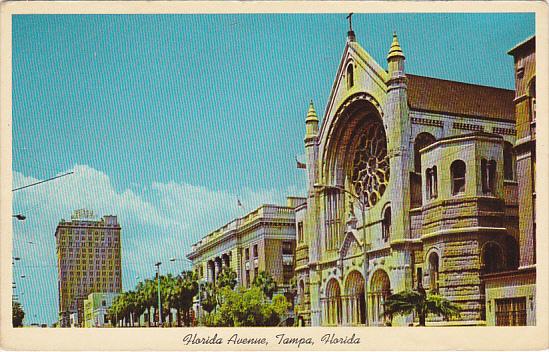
(457, 98)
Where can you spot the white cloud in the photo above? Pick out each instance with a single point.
(164, 225)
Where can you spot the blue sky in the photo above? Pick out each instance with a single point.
(168, 119)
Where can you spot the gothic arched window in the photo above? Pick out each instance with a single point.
(488, 173)
(350, 76)
(370, 173)
(508, 162)
(433, 271)
(422, 140)
(386, 224)
(458, 171)
(431, 182)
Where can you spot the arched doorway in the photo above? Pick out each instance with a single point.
(332, 304)
(355, 299)
(380, 289)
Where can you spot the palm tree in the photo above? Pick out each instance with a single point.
(418, 301)
(266, 283)
(187, 288)
(147, 296)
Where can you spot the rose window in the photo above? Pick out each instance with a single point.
(370, 174)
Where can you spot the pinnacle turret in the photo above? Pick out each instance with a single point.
(395, 50)
(311, 114)
(311, 122)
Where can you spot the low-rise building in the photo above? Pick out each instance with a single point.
(96, 307)
(262, 240)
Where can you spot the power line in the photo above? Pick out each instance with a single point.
(39, 182)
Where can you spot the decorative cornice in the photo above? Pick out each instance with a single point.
(468, 126)
(507, 131)
(427, 122)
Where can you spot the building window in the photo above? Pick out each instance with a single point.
(511, 311)
(431, 182)
(256, 272)
(532, 94)
(247, 253)
(247, 278)
(488, 173)
(433, 272)
(301, 292)
(300, 231)
(386, 224)
(422, 140)
(255, 251)
(287, 248)
(333, 221)
(419, 277)
(350, 76)
(458, 172)
(508, 162)
(492, 258)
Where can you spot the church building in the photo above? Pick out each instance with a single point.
(412, 182)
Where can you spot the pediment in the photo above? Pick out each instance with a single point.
(351, 246)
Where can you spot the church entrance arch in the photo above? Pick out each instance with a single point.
(380, 289)
(355, 299)
(332, 304)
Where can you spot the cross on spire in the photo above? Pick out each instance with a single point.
(350, 18)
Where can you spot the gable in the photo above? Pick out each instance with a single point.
(350, 246)
(369, 77)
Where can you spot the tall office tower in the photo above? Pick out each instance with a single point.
(88, 260)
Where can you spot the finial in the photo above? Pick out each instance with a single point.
(395, 50)
(351, 34)
(311, 114)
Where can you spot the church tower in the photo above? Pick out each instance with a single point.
(398, 130)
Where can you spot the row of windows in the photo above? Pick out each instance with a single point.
(425, 139)
(458, 172)
(247, 252)
(82, 242)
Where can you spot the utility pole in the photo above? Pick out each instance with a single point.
(159, 301)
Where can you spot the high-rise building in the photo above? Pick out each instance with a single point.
(88, 260)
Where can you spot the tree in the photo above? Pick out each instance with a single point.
(250, 307)
(408, 301)
(266, 283)
(17, 314)
(226, 278)
(208, 299)
(186, 287)
(147, 296)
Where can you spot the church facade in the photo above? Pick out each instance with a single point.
(411, 182)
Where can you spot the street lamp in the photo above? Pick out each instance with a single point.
(199, 288)
(159, 302)
(362, 203)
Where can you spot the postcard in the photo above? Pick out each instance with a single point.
(273, 175)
